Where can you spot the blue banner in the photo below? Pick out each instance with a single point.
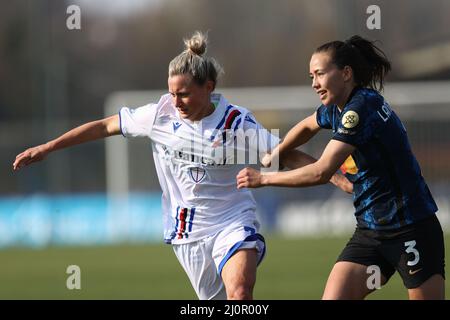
(83, 219)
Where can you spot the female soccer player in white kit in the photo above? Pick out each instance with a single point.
(211, 225)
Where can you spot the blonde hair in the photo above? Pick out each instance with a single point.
(193, 62)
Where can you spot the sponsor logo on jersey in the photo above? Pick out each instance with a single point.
(350, 119)
(344, 131)
(197, 174)
(171, 156)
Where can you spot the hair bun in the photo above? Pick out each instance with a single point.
(197, 43)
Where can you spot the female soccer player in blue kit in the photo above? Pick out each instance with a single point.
(397, 228)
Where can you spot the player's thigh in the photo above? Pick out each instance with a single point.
(239, 272)
(360, 268)
(420, 256)
(431, 289)
(351, 281)
(196, 260)
(238, 250)
(238, 236)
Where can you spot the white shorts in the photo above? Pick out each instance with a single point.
(203, 260)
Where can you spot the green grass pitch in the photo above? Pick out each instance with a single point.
(294, 269)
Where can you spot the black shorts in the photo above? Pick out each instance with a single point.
(416, 251)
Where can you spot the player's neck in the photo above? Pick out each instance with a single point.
(206, 111)
(346, 96)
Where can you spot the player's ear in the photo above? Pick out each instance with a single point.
(210, 86)
(347, 73)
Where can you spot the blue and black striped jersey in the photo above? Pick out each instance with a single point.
(389, 190)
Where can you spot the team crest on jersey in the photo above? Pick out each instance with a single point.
(197, 174)
(350, 119)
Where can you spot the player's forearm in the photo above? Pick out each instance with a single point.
(84, 133)
(87, 132)
(286, 153)
(294, 159)
(306, 176)
(297, 136)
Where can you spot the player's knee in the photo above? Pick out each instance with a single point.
(240, 292)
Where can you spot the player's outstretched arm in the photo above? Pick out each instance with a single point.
(87, 132)
(301, 133)
(294, 159)
(316, 173)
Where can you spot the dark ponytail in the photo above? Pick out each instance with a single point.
(368, 62)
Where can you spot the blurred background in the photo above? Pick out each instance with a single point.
(106, 192)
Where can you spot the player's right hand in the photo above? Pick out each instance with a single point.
(30, 155)
(249, 178)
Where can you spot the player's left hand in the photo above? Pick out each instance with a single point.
(249, 178)
(30, 155)
(342, 182)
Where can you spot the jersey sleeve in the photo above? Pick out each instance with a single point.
(357, 125)
(323, 117)
(137, 122)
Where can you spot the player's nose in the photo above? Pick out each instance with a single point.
(177, 101)
(314, 83)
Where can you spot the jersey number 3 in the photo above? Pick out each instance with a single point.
(410, 249)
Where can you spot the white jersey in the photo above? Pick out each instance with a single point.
(196, 164)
